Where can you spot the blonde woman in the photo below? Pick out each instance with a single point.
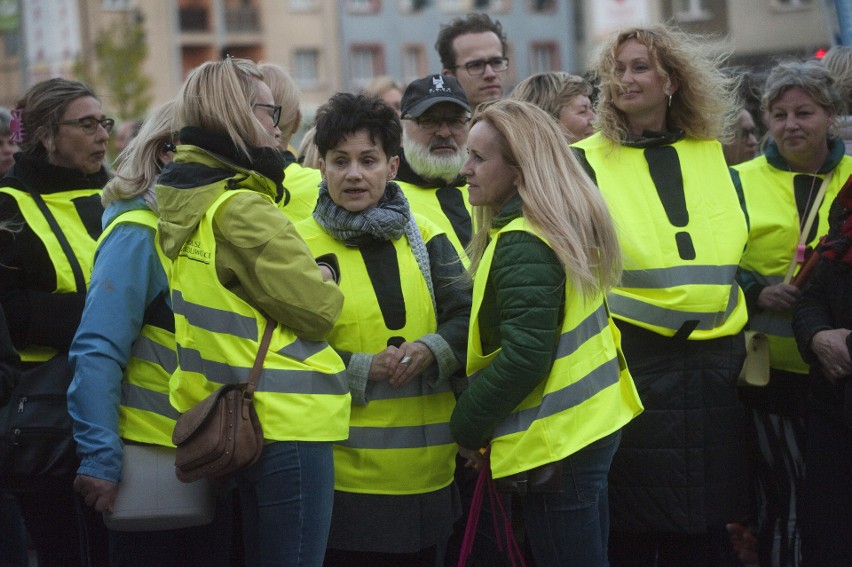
(565, 97)
(124, 353)
(239, 265)
(679, 475)
(388, 89)
(549, 390)
(301, 183)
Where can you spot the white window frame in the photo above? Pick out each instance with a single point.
(792, 5)
(306, 67)
(691, 10)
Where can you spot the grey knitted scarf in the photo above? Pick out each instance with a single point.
(388, 220)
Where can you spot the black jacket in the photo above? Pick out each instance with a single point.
(825, 304)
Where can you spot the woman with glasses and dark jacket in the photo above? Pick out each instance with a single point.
(62, 132)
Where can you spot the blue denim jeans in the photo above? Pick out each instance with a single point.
(286, 499)
(571, 528)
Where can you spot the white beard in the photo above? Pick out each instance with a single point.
(424, 164)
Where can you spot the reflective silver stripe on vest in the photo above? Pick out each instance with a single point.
(215, 320)
(271, 379)
(777, 324)
(571, 340)
(415, 388)
(661, 278)
(151, 351)
(229, 323)
(302, 350)
(136, 397)
(410, 437)
(670, 318)
(570, 396)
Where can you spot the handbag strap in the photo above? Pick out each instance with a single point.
(513, 550)
(261, 356)
(808, 224)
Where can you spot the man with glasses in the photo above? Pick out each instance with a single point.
(473, 50)
(435, 116)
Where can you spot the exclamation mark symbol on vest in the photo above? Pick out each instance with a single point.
(664, 166)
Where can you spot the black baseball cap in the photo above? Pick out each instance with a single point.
(423, 94)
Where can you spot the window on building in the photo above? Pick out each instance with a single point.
(302, 5)
(413, 62)
(792, 4)
(365, 62)
(492, 5)
(454, 5)
(363, 6)
(413, 6)
(691, 10)
(306, 67)
(544, 57)
(539, 6)
(115, 4)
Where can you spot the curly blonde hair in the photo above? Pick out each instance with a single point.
(559, 199)
(705, 104)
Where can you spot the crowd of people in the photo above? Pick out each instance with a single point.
(548, 288)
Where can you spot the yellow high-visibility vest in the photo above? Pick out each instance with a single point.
(588, 394)
(661, 291)
(301, 394)
(400, 442)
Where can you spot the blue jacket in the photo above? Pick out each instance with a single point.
(127, 277)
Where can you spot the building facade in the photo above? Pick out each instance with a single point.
(334, 45)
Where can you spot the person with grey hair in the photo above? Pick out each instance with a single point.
(435, 114)
(565, 97)
(838, 61)
(7, 146)
(57, 177)
(787, 193)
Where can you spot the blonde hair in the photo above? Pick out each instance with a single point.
(378, 86)
(309, 155)
(705, 105)
(838, 61)
(559, 199)
(551, 91)
(286, 93)
(219, 96)
(137, 167)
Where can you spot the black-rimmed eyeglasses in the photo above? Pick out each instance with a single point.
(477, 67)
(89, 124)
(276, 111)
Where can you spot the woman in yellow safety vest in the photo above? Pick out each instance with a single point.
(402, 334)
(239, 266)
(787, 193)
(679, 474)
(550, 391)
(62, 131)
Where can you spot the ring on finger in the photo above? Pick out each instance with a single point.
(405, 360)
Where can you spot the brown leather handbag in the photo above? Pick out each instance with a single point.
(221, 435)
